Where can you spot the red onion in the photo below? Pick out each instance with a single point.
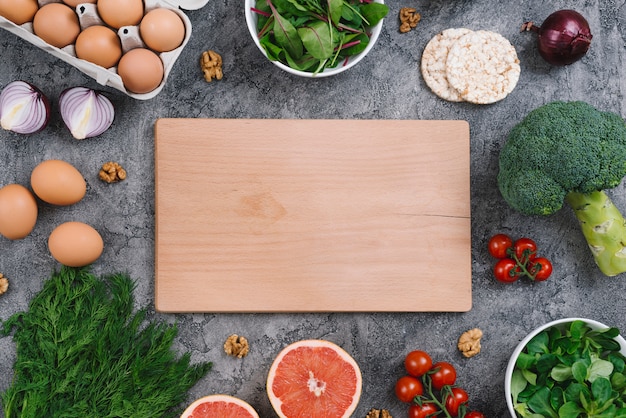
(564, 37)
(23, 108)
(86, 113)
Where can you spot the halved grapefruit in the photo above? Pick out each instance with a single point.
(219, 406)
(314, 379)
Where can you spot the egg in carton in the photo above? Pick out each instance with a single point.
(144, 62)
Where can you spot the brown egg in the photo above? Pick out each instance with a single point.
(141, 70)
(19, 11)
(118, 13)
(100, 45)
(18, 211)
(162, 30)
(74, 3)
(75, 244)
(57, 24)
(58, 182)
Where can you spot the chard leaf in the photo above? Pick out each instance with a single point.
(305, 63)
(335, 8)
(373, 12)
(362, 39)
(286, 35)
(317, 38)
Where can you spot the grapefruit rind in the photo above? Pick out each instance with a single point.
(277, 402)
(220, 398)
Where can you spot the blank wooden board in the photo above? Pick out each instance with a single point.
(262, 215)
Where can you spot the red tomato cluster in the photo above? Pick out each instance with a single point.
(430, 389)
(517, 259)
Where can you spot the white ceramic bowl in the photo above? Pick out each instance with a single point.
(511, 366)
(251, 21)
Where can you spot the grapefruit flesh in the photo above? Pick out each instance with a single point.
(219, 406)
(314, 379)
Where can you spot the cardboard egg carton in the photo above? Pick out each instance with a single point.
(129, 36)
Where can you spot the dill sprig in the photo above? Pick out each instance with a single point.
(83, 351)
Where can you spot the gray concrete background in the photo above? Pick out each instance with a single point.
(385, 85)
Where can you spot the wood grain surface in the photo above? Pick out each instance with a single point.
(262, 215)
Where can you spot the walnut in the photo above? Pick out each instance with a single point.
(4, 284)
(378, 413)
(211, 65)
(409, 18)
(469, 342)
(236, 346)
(112, 172)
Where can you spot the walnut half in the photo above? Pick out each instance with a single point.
(112, 172)
(378, 413)
(211, 65)
(4, 284)
(409, 18)
(236, 346)
(469, 342)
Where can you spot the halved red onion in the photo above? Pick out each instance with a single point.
(86, 112)
(23, 108)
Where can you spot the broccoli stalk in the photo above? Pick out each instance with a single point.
(570, 152)
(603, 227)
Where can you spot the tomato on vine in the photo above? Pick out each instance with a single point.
(442, 374)
(455, 399)
(540, 268)
(417, 363)
(525, 250)
(407, 388)
(506, 270)
(422, 411)
(474, 414)
(499, 245)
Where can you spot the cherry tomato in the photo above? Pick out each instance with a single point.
(499, 245)
(442, 374)
(417, 363)
(506, 270)
(408, 387)
(540, 268)
(474, 414)
(422, 411)
(525, 249)
(454, 400)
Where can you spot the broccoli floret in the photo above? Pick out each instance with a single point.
(570, 152)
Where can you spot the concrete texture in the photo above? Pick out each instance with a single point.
(386, 84)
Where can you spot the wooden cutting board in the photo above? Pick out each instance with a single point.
(312, 215)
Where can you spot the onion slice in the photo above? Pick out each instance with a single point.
(86, 112)
(23, 108)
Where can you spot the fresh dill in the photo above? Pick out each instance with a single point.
(83, 351)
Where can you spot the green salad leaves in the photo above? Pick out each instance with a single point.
(312, 35)
(571, 372)
(83, 352)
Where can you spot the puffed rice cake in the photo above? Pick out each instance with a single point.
(482, 66)
(434, 60)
